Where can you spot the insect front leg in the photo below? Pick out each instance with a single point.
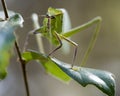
(60, 44)
(26, 41)
(35, 32)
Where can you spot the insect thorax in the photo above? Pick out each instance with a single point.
(53, 23)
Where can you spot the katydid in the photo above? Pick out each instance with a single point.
(52, 29)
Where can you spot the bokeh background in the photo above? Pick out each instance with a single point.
(105, 55)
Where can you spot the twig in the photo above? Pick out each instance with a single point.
(23, 65)
(5, 9)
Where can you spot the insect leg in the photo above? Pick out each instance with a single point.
(26, 41)
(60, 42)
(74, 44)
(96, 21)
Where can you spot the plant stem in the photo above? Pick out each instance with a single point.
(23, 65)
(5, 9)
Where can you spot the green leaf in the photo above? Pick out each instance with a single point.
(102, 79)
(7, 39)
(48, 64)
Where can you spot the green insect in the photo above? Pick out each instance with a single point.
(55, 30)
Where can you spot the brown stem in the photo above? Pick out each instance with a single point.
(5, 9)
(23, 65)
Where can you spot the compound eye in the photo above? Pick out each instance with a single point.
(52, 17)
(47, 16)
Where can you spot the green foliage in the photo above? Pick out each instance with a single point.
(101, 79)
(54, 29)
(7, 39)
(49, 66)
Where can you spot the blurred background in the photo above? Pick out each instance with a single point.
(105, 55)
